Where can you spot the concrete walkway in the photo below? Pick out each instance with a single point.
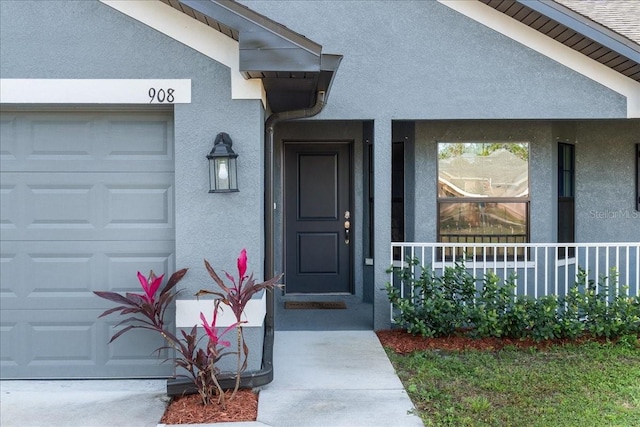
(82, 403)
(322, 378)
(333, 378)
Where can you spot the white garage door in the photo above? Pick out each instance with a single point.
(86, 201)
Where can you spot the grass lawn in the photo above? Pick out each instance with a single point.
(585, 385)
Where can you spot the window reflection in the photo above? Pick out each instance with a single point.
(483, 222)
(483, 170)
(483, 192)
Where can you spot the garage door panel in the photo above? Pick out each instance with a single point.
(54, 139)
(61, 341)
(152, 139)
(65, 274)
(87, 206)
(86, 201)
(10, 206)
(8, 138)
(85, 141)
(139, 206)
(11, 343)
(10, 273)
(62, 347)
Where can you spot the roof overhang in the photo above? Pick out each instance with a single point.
(575, 31)
(293, 68)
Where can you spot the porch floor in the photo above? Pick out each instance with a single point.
(358, 316)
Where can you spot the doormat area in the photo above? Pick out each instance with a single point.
(314, 305)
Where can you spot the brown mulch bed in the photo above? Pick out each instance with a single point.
(190, 410)
(402, 342)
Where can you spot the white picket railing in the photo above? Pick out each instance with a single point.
(538, 269)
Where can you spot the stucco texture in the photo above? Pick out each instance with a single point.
(605, 181)
(422, 60)
(87, 39)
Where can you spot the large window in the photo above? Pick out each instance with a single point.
(483, 192)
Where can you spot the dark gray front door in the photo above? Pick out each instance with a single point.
(318, 214)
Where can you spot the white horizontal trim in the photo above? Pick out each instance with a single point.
(197, 36)
(95, 91)
(553, 49)
(188, 313)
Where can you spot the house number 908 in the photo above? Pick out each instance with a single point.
(161, 95)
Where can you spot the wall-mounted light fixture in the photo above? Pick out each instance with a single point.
(223, 174)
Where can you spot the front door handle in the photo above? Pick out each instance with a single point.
(347, 227)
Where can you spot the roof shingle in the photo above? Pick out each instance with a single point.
(621, 16)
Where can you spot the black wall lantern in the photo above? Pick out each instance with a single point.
(223, 174)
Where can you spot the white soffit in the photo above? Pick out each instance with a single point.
(545, 45)
(197, 36)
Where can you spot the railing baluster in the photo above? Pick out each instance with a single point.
(607, 271)
(392, 281)
(526, 269)
(434, 256)
(546, 275)
(597, 278)
(566, 269)
(535, 272)
(638, 270)
(626, 257)
(587, 256)
(484, 262)
(475, 261)
(617, 271)
(504, 260)
(555, 278)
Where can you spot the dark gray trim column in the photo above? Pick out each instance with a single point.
(382, 220)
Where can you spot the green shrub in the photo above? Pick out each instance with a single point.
(608, 314)
(442, 305)
(437, 305)
(543, 322)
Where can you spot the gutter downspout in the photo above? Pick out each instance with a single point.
(263, 376)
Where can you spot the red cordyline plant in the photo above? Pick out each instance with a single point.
(147, 312)
(236, 297)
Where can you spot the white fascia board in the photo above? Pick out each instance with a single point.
(197, 36)
(95, 91)
(188, 313)
(553, 49)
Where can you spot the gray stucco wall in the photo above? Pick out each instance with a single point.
(87, 39)
(605, 181)
(422, 60)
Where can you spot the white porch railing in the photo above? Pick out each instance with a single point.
(539, 268)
